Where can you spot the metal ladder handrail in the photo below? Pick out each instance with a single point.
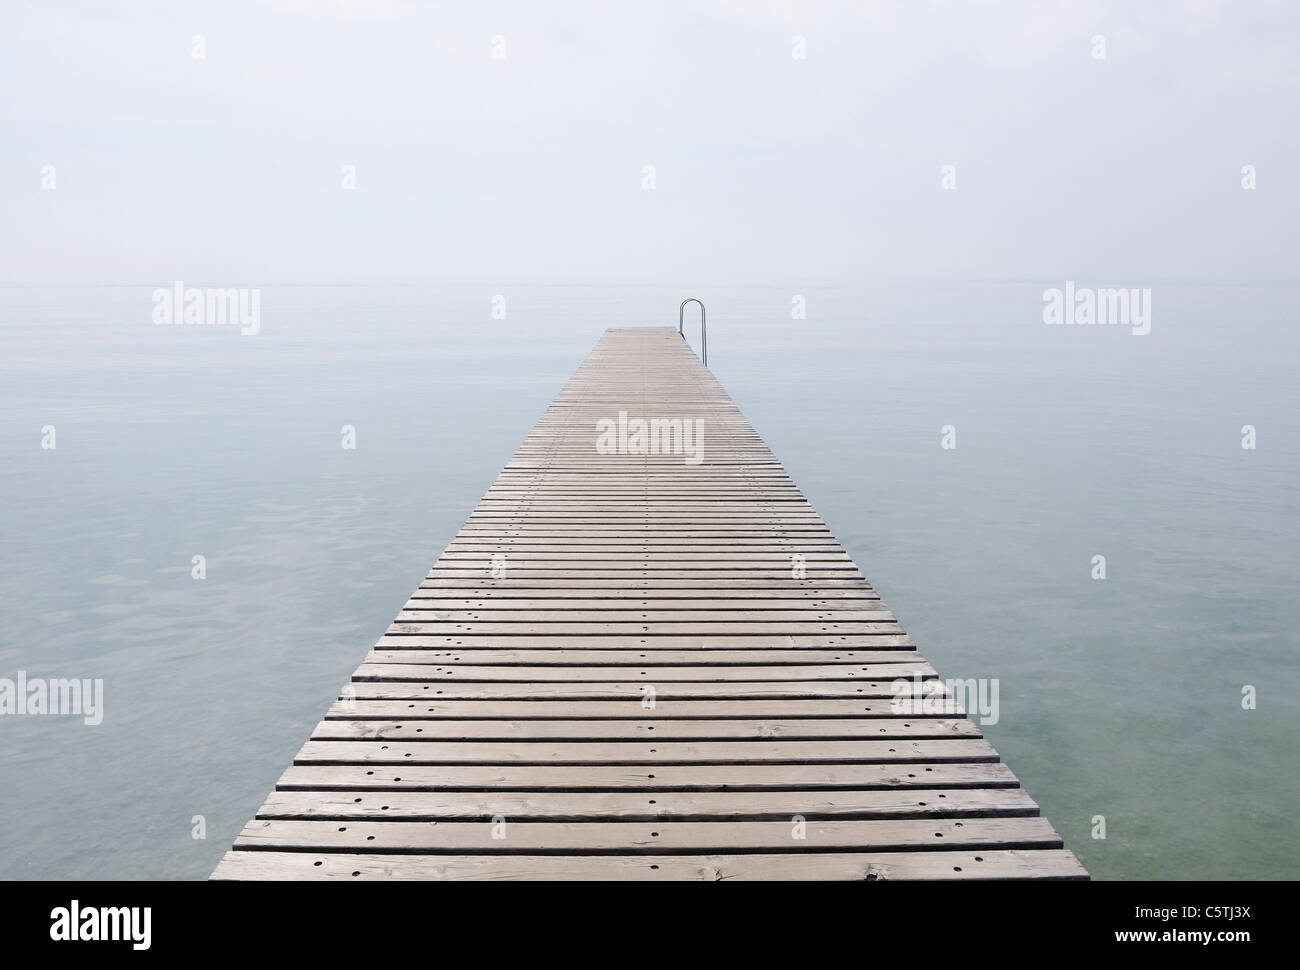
(704, 330)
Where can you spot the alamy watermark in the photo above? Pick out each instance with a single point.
(209, 306)
(75, 923)
(57, 697)
(657, 436)
(918, 696)
(1110, 306)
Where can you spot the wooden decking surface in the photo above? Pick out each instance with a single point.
(648, 691)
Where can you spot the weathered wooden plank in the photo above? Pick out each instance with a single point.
(987, 864)
(609, 586)
(736, 673)
(664, 709)
(715, 641)
(425, 614)
(651, 806)
(659, 836)
(561, 628)
(635, 603)
(643, 752)
(629, 692)
(625, 575)
(748, 777)
(574, 729)
(768, 542)
(590, 656)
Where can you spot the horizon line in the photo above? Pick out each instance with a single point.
(784, 285)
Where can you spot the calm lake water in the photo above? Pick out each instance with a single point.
(1119, 698)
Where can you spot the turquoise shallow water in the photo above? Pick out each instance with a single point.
(1118, 698)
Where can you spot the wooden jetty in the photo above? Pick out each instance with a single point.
(633, 665)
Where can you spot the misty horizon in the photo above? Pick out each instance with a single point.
(396, 142)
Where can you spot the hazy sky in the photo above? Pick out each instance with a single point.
(768, 168)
